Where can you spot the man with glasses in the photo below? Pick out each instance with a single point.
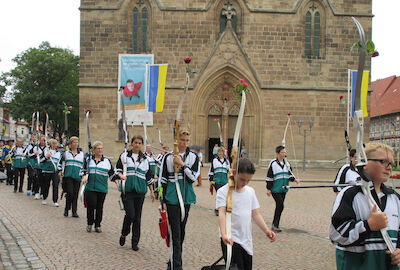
(355, 227)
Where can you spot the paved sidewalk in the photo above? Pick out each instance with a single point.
(35, 236)
(15, 252)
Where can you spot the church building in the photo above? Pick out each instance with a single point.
(294, 55)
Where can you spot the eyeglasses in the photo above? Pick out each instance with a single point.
(384, 162)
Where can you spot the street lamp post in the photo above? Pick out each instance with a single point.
(300, 123)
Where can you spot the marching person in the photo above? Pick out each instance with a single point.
(19, 164)
(279, 174)
(355, 227)
(30, 165)
(218, 174)
(8, 161)
(96, 171)
(138, 177)
(35, 154)
(72, 164)
(152, 162)
(200, 155)
(2, 168)
(347, 173)
(159, 159)
(189, 167)
(245, 209)
(49, 165)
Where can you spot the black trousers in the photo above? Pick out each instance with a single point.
(10, 174)
(71, 187)
(279, 200)
(178, 232)
(217, 186)
(37, 180)
(95, 202)
(133, 204)
(31, 175)
(19, 173)
(240, 257)
(46, 179)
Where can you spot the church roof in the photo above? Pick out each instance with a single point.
(385, 97)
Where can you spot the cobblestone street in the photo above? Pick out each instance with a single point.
(36, 236)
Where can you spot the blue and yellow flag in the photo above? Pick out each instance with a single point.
(364, 91)
(158, 77)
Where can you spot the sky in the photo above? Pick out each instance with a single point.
(27, 23)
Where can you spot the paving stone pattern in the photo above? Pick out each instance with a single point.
(36, 236)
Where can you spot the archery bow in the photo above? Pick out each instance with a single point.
(231, 181)
(358, 125)
(284, 143)
(82, 190)
(159, 137)
(38, 131)
(220, 133)
(31, 132)
(125, 155)
(176, 149)
(45, 137)
(146, 141)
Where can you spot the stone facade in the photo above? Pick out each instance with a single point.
(267, 49)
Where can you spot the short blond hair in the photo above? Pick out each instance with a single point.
(96, 143)
(52, 141)
(221, 148)
(73, 138)
(372, 147)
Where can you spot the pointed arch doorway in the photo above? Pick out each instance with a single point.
(215, 100)
(227, 117)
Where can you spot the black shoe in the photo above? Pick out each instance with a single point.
(65, 213)
(75, 215)
(276, 229)
(135, 247)
(216, 212)
(15, 191)
(122, 240)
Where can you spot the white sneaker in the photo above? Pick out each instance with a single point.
(37, 196)
(56, 204)
(41, 196)
(44, 202)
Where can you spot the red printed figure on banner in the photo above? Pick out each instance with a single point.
(132, 89)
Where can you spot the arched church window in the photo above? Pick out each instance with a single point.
(140, 27)
(313, 31)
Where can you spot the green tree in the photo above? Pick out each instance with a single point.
(44, 79)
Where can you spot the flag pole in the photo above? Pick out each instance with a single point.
(347, 115)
